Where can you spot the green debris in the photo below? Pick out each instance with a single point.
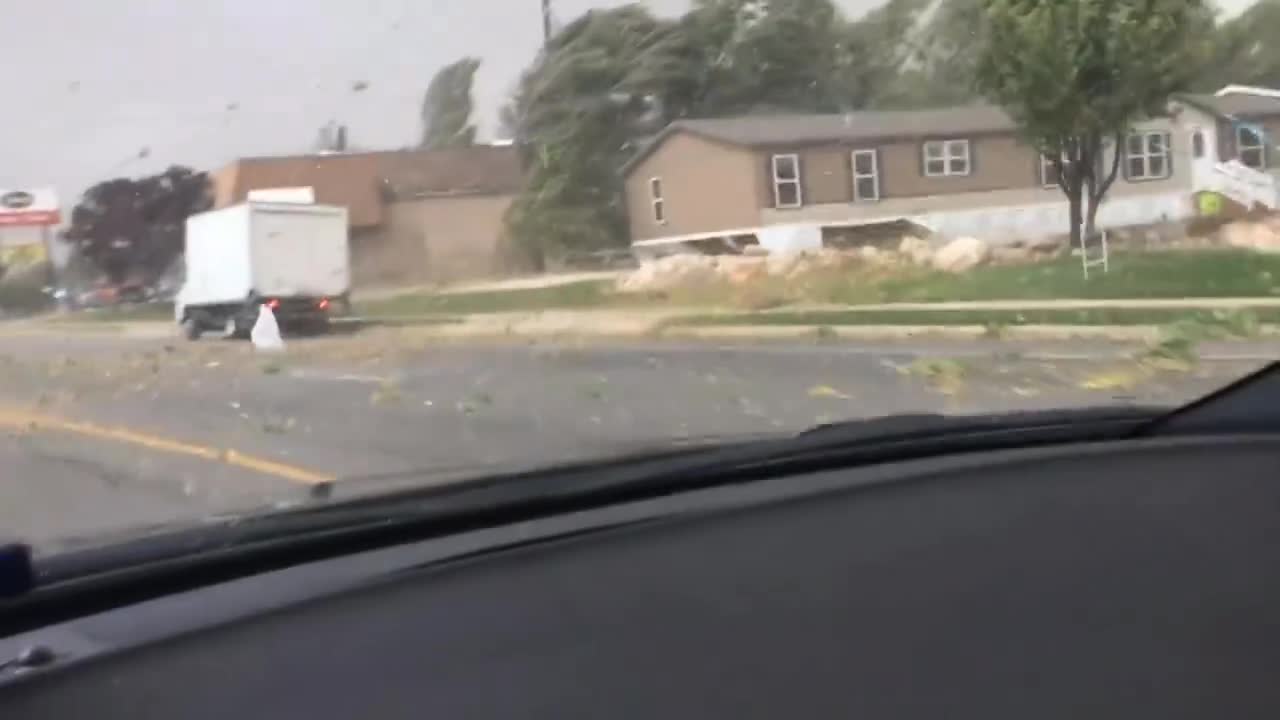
(826, 391)
(387, 392)
(945, 375)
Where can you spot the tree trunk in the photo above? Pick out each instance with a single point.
(1073, 202)
(1090, 209)
(1073, 176)
(1098, 187)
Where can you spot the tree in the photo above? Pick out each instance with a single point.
(728, 57)
(915, 53)
(878, 52)
(576, 122)
(1243, 49)
(133, 229)
(1075, 76)
(446, 106)
(612, 78)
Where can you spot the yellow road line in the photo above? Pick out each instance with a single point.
(271, 467)
(24, 420)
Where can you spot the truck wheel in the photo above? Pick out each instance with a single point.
(232, 330)
(190, 328)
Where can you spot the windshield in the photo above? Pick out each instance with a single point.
(251, 248)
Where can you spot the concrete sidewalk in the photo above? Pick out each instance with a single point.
(1213, 303)
(520, 283)
(660, 322)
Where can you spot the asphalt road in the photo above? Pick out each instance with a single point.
(103, 434)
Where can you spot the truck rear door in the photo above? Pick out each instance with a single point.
(300, 250)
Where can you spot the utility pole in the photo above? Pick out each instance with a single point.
(546, 22)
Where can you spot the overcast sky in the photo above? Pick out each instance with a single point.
(90, 83)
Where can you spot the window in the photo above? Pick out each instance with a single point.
(655, 199)
(1250, 148)
(1147, 156)
(1197, 144)
(1048, 172)
(946, 157)
(786, 181)
(866, 176)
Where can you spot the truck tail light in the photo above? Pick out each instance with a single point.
(323, 304)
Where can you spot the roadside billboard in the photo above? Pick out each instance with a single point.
(29, 207)
(19, 250)
(26, 216)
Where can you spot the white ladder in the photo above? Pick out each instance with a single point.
(1100, 257)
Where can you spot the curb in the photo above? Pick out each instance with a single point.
(1129, 333)
(465, 328)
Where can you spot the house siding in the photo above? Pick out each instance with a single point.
(1004, 171)
(707, 186)
(997, 162)
(826, 175)
(1179, 158)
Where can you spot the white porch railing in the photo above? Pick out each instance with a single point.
(1245, 185)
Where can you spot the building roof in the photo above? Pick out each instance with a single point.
(766, 130)
(479, 170)
(358, 180)
(776, 129)
(1234, 103)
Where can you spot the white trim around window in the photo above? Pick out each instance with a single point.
(786, 181)
(657, 204)
(866, 176)
(945, 158)
(1251, 149)
(1048, 172)
(1147, 156)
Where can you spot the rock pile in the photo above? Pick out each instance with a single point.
(695, 270)
(1262, 235)
(961, 255)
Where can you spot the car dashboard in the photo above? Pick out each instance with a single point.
(1122, 579)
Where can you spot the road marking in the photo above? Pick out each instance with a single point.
(24, 420)
(279, 469)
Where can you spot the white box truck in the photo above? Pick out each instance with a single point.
(293, 258)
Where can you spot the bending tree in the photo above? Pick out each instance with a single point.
(133, 229)
(611, 79)
(576, 125)
(1076, 74)
(1244, 50)
(446, 107)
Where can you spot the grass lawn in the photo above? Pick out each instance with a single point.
(1099, 316)
(584, 295)
(1133, 275)
(1172, 274)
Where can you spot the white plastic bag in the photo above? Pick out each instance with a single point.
(266, 332)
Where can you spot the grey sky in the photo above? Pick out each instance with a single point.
(90, 83)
